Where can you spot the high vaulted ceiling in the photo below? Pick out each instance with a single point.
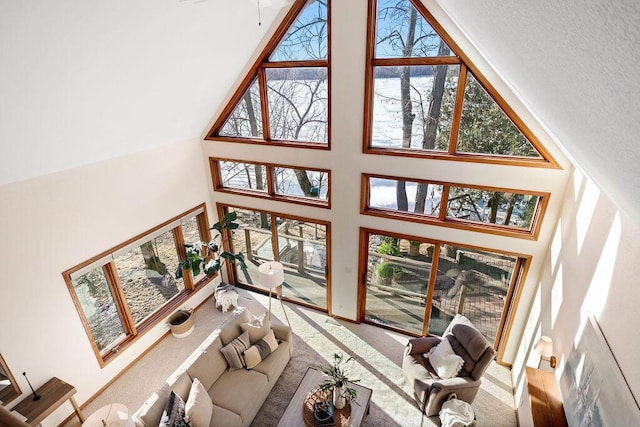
(83, 81)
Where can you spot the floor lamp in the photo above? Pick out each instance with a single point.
(271, 276)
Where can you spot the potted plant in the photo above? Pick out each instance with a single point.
(385, 271)
(208, 257)
(414, 248)
(337, 382)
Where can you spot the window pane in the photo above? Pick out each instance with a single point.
(307, 37)
(253, 239)
(301, 183)
(245, 176)
(191, 234)
(99, 308)
(246, 118)
(397, 277)
(404, 196)
(474, 283)
(302, 249)
(146, 274)
(403, 32)
(485, 128)
(425, 121)
(492, 207)
(298, 104)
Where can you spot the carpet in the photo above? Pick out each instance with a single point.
(377, 361)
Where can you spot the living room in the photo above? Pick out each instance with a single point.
(123, 152)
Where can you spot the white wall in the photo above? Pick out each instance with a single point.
(591, 267)
(84, 81)
(54, 222)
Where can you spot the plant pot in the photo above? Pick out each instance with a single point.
(181, 323)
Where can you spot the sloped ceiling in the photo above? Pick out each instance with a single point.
(86, 81)
(575, 64)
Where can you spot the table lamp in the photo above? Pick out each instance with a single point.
(544, 347)
(271, 275)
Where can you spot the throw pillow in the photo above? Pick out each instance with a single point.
(260, 350)
(174, 411)
(199, 407)
(233, 351)
(446, 363)
(257, 328)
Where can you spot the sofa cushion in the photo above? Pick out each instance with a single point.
(199, 407)
(260, 350)
(233, 351)
(224, 417)
(174, 411)
(151, 410)
(257, 328)
(273, 365)
(240, 391)
(230, 328)
(209, 365)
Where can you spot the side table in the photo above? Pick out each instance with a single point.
(52, 394)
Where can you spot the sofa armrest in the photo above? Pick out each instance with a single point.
(422, 344)
(282, 332)
(465, 389)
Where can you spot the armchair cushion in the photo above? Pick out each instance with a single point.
(446, 363)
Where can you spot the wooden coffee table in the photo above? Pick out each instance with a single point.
(293, 416)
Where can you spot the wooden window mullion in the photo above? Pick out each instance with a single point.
(120, 299)
(271, 183)
(264, 104)
(457, 110)
(430, 289)
(178, 237)
(444, 202)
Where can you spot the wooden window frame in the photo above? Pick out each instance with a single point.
(512, 297)
(133, 331)
(223, 209)
(270, 192)
(257, 71)
(441, 220)
(466, 66)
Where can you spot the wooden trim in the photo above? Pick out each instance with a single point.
(513, 304)
(514, 282)
(264, 105)
(457, 110)
(305, 63)
(368, 77)
(431, 286)
(442, 220)
(415, 61)
(362, 274)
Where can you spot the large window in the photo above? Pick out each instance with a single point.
(285, 97)
(126, 290)
(417, 286)
(424, 99)
(300, 244)
(279, 182)
(502, 211)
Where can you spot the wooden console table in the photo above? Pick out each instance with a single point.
(52, 394)
(546, 404)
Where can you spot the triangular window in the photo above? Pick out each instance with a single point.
(285, 97)
(306, 39)
(424, 100)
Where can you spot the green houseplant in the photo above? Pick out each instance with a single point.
(337, 381)
(208, 257)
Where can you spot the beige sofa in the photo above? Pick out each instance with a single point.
(237, 395)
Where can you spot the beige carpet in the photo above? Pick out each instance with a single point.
(377, 362)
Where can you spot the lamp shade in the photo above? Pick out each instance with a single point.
(544, 346)
(271, 274)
